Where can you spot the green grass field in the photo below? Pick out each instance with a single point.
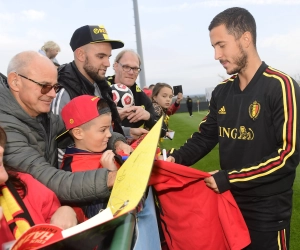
(184, 126)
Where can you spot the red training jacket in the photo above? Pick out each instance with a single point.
(193, 216)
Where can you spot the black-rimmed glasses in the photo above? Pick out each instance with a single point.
(127, 68)
(46, 88)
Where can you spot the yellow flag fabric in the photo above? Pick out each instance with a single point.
(132, 178)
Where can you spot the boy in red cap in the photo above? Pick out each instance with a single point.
(88, 120)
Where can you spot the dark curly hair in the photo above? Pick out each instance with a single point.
(237, 21)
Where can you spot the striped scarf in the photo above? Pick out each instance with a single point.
(14, 210)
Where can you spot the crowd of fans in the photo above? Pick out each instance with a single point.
(62, 134)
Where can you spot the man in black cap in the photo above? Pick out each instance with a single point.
(86, 75)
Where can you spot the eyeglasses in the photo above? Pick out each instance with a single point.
(127, 68)
(46, 88)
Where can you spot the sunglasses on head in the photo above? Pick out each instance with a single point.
(46, 88)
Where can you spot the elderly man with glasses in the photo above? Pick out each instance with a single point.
(127, 67)
(31, 128)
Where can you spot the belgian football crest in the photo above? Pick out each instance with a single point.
(254, 110)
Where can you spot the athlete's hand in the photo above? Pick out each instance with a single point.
(108, 160)
(211, 183)
(213, 172)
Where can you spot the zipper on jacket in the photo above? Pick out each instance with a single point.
(45, 136)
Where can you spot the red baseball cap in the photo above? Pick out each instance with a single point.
(81, 110)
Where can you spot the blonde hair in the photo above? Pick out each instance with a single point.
(50, 45)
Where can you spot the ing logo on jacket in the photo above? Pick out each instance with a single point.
(241, 133)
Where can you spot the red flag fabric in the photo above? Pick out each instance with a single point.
(193, 216)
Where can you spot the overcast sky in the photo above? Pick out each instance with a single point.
(175, 37)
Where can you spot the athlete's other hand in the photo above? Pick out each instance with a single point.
(170, 159)
(211, 183)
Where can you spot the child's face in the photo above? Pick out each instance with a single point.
(96, 136)
(164, 97)
(3, 173)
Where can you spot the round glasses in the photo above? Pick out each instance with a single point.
(127, 68)
(46, 88)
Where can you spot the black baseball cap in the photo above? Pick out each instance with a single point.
(92, 34)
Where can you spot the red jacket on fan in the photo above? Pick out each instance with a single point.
(78, 160)
(40, 202)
